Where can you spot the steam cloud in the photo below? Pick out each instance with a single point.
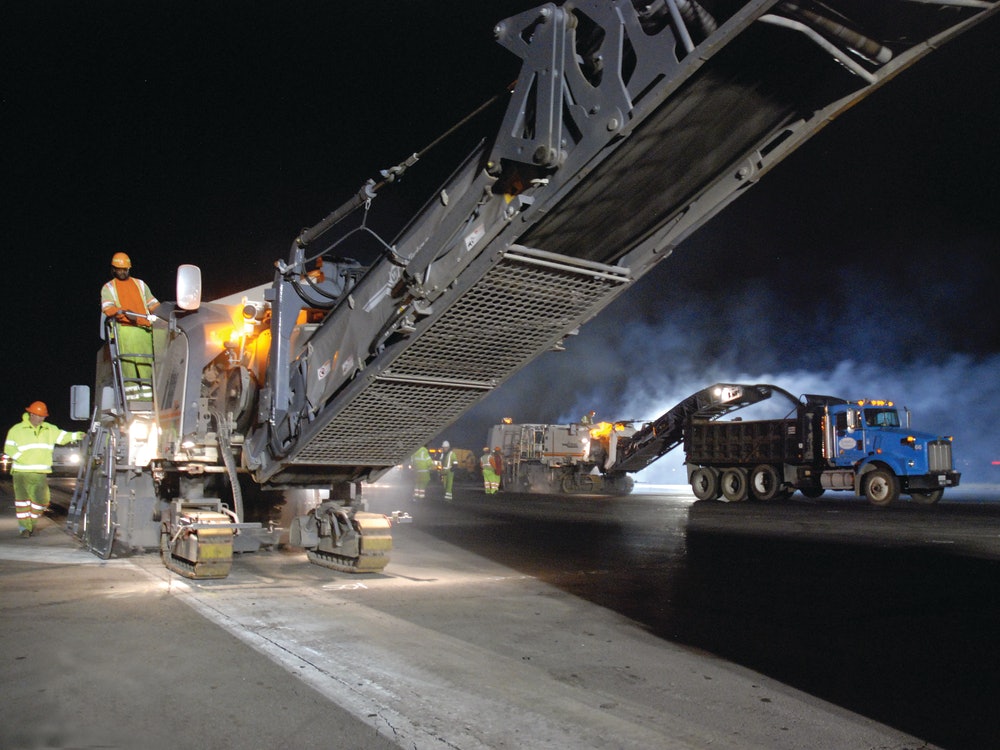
(626, 368)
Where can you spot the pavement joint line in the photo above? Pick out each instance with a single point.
(363, 706)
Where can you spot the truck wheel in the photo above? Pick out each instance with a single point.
(812, 492)
(928, 497)
(764, 482)
(881, 487)
(705, 484)
(734, 485)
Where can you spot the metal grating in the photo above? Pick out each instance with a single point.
(517, 310)
(520, 307)
(385, 422)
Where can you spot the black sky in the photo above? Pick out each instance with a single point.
(212, 132)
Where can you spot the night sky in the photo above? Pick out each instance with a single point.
(213, 132)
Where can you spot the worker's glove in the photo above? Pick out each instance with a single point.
(151, 318)
(121, 317)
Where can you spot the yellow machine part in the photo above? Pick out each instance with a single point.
(200, 553)
(374, 546)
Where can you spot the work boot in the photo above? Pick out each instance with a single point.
(24, 533)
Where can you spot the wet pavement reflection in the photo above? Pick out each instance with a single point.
(891, 613)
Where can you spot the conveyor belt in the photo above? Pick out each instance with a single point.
(666, 432)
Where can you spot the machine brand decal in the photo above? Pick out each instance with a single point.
(847, 443)
(347, 366)
(473, 237)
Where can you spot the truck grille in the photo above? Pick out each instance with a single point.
(939, 455)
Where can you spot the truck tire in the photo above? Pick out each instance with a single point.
(812, 492)
(734, 485)
(881, 487)
(765, 484)
(705, 484)
(926, 497)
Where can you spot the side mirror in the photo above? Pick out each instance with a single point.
(188, 287)
(79, 403)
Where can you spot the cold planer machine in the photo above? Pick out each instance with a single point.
(631, 125)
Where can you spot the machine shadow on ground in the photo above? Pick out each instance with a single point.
(903, 633)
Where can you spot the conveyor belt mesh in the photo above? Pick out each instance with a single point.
(518, 309)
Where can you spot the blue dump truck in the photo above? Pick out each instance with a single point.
(824, 443)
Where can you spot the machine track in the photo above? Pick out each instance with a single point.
(370, 563)
(199, 553)
(371, 537)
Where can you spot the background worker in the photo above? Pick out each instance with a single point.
(491, 479)
(496, 461)
(422, 464)
(449, 462)
(29, 444)
(130, 303)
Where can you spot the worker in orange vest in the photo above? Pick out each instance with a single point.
(130, 303)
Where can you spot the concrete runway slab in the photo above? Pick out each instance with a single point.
(445, 648)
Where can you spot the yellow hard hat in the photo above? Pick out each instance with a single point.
(39, 408)
(120, 260)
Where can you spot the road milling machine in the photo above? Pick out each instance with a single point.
(631, 124)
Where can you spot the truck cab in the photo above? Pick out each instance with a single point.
(870, 437)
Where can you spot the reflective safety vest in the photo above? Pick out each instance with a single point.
(30, 447)
(128, 294)
(422, 460)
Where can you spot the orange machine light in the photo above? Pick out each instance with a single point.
(221, 336)
(601, 430)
